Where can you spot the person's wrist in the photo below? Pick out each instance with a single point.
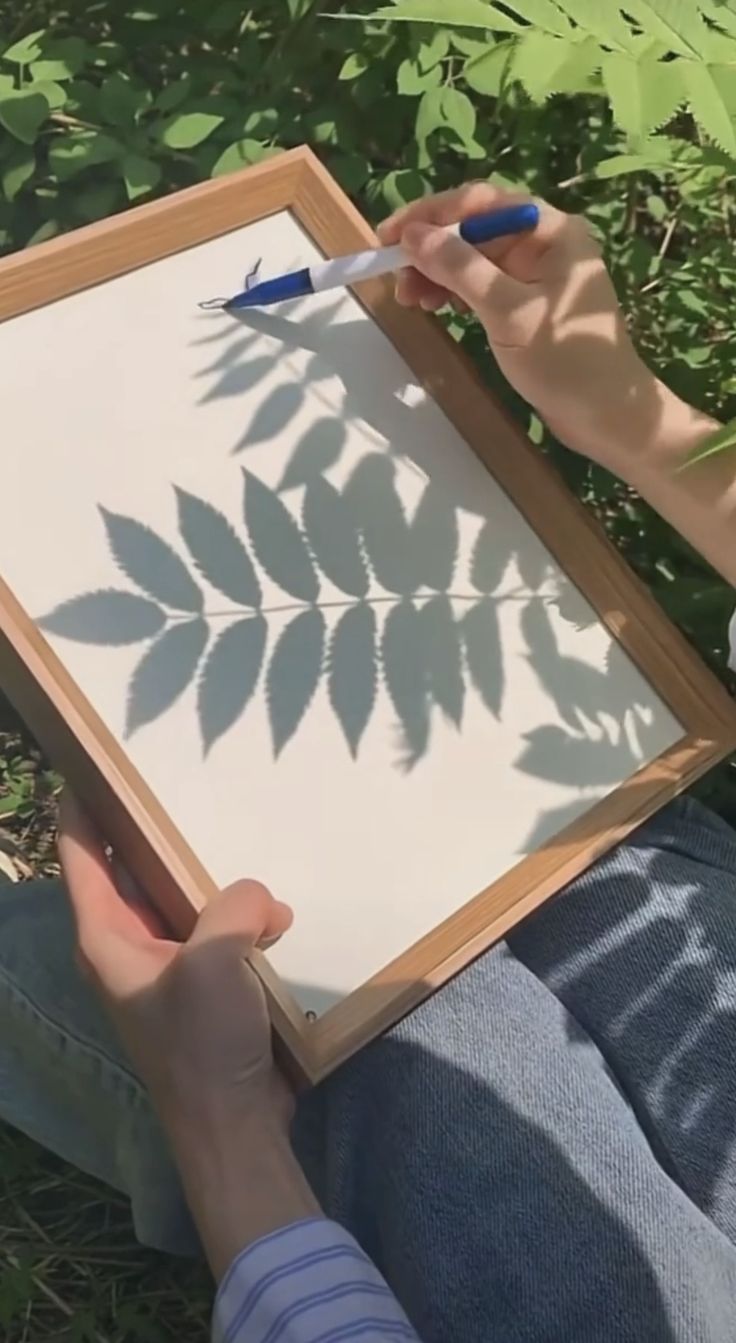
(607, 418)
(188, 1106)
(239, 1173)
(635, 427)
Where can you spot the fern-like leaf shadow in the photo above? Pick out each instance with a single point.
(489, 560)
(555, 754)
(272, 416)
(149, 562)
(167, 667)
(379, 514)
(239, 379)
(107, 617)
(331, 530)
(229, 677)
(353, 672)
(483, 653)
(217, 550)
(405, 671)
(318, 450)
(293, 674)
(443, 654)
(434, 540)
(580, 692)
(278, 541)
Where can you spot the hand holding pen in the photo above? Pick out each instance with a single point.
(346, 270)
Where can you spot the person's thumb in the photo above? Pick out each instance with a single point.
(246, 913)
(448, 261)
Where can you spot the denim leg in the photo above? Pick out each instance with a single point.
(493, 1169)
(642, 951)
(63, 1079)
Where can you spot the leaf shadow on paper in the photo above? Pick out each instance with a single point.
(350, 370)
(392, 620)
(362, 597)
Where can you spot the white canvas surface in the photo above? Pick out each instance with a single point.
(423, 706)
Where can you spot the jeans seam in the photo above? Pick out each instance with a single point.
(101, 1056)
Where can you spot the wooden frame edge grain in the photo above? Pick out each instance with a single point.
(66, 724)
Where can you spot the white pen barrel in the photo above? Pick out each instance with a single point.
(345, 270)
(360, 266)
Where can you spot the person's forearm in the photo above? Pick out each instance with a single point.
(648, 449)
(240, 1177)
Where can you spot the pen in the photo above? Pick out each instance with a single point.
(347, 270)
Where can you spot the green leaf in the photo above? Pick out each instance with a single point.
(411, 80)
(54, 94)
(464, 13)
(676, 23)
(94, 202)
(708, 107)
(403, 185)
(539, 58)
(25, 50)
(653, 159)
(351, 170)
(644, 94)
(692, 302)
(487, 72)
(174, 94)
(657, 208)
(261, 123)
(237, 155)
(121, 101)
(602, 20)
(354, 65)
(107, 53)
(16, 171)
(23, 113)
(430, 116)
(432, 46)
(61, 58)
(140, 175)
(189, 129)
(720, 441)
(48, 229)
(544, 14)
(444, 108)
(574, 72)
(71, 154)
(721, 13)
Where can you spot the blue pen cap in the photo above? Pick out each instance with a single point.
(499, 223)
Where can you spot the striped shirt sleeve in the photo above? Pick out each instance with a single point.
(307, 1283)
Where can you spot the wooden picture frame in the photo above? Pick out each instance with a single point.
(83, 748)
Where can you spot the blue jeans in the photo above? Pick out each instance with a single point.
(545, 1151)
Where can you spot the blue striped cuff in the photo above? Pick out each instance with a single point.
(307, 1283)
